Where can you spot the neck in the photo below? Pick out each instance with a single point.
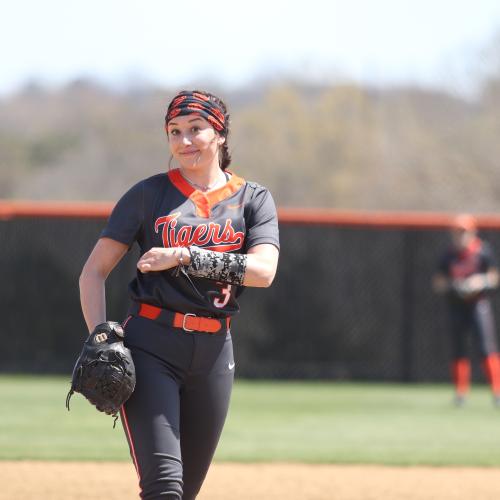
(206, 179)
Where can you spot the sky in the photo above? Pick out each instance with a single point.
(171, 42)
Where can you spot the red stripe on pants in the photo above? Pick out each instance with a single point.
(130, 440)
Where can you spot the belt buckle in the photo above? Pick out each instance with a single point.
(184, 327)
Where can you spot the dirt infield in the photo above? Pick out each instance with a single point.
(113, 481)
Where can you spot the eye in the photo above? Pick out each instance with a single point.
(195, 129)
(174, 131)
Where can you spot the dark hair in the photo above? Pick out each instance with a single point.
(225, 157)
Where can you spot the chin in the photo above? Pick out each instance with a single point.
(189, 165)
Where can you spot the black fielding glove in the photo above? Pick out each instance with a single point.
(104, 372)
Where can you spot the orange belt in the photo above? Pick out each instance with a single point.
(188, 322)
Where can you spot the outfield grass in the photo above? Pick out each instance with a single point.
(272, 421)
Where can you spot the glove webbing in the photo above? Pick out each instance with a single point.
(119, 362)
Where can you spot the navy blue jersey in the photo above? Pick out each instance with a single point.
(476, 258)
(457, 265)
(166, 211)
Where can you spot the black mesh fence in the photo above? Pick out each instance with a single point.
(347, 303)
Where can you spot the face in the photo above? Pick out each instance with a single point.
(462, 237)
(194, 143)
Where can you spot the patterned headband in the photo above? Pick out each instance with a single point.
(195, 103)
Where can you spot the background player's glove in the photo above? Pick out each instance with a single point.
(471, 286)
(104, 372)
(461, 288)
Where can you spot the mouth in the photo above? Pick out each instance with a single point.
(189, 152)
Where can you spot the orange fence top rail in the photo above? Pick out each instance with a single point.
(379, 219)
(59, 209)
(302, 216)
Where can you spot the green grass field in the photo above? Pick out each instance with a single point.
(272, 421)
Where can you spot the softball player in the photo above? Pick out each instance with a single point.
(204, 233)
(466, 273)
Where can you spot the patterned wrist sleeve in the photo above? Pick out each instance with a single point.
(217, 266)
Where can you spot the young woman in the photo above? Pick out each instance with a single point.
(204, 233)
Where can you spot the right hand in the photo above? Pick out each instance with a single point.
(161, 259)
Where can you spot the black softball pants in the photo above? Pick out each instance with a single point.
(174, 418)
(476, 316)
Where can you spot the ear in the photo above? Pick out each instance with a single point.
(221, 140)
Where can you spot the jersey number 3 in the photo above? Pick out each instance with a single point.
(223, 299)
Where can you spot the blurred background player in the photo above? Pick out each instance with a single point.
(467, 272)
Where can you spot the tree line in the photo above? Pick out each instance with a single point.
(343, 145)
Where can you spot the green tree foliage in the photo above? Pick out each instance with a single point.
(340, 146)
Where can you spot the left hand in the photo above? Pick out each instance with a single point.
(476, 283)
(159, 259)
(470, 286)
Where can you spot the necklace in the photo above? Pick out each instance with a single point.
(208, 187)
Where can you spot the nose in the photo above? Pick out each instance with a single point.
(186, 140)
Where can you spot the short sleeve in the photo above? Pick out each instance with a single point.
(488, 259)
(127, 217)
(262, 220)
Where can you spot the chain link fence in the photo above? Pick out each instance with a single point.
(351, 303)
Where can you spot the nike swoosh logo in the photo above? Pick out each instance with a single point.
(231, 365)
